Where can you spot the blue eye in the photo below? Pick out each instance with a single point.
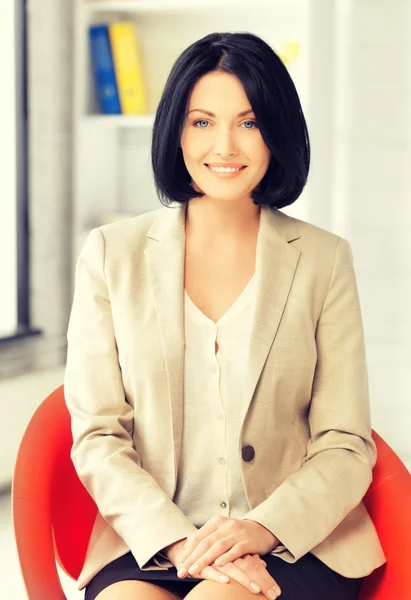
(205, 121)
(202, 121)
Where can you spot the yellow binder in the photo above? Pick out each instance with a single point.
(128, 67)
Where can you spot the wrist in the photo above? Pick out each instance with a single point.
(272, 540)
(171, 550)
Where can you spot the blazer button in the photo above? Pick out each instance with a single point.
(248, 453)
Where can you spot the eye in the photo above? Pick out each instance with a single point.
(253, 122)
(201, 121)
(205, 121)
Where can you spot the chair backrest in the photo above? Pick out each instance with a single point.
(388, 501)
(53, 514)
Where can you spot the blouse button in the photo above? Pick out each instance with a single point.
(221, 461)
(223, 504)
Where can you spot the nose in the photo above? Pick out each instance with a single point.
(224, 142)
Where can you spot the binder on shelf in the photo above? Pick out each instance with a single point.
(103, 70)
(126, 54)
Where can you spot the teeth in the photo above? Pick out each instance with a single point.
(224, 170)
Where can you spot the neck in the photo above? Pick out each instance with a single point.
(223, 219)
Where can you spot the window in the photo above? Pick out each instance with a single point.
(14, 299)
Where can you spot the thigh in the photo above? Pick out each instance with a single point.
(205, 590)
(125, 570)
(136, 590)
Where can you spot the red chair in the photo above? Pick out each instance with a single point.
(53, 514)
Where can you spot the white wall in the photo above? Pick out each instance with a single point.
(372, 192)
(20, 397)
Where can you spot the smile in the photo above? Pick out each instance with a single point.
(225, 173)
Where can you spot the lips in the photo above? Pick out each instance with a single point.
(225, 166)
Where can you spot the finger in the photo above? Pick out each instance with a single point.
(193, 540)
(214, 575)
(204, 555)
(235, 551)
(257, 573)
(235, 573)
(267, 582)
(200, 558)
(258, 560)
(188, 546)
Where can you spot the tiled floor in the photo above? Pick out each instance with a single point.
(11, 582)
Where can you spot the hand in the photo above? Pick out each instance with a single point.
(223, 540)
(250, 571)
(247, 570)
(174, 553)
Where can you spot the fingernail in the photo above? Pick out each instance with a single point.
(181, 572)
(272, 594)
(224, 578)
(255, 587)
(193, 569)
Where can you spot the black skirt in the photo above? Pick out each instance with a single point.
(307, 579)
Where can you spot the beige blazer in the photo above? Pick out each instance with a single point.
(306, 415)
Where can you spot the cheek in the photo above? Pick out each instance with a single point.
(193, 147)
(262, 151)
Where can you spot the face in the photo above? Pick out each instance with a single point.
(228, 136)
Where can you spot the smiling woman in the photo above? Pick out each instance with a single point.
(230, 135)
(259, 453)
(230, 105)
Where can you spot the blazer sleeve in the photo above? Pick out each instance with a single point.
(102, 421)
(337, 469)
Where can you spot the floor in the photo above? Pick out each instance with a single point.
(11, 582)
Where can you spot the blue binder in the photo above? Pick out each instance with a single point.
(103, 70)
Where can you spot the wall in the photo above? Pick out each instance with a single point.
(371, 193)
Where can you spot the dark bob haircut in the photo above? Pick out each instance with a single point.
(273, 98)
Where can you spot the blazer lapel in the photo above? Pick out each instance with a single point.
(165, 261)
(276, 263)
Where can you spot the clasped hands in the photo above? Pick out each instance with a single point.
(222, 540)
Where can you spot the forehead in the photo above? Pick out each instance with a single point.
(220, 91)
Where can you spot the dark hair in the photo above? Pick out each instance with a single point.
(275, 103)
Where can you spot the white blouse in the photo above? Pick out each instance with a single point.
(209, 479)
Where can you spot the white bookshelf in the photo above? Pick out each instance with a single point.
(111, 153)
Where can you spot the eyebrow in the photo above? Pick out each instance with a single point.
(207, 112)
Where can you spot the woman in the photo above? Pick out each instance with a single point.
(216, 372)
